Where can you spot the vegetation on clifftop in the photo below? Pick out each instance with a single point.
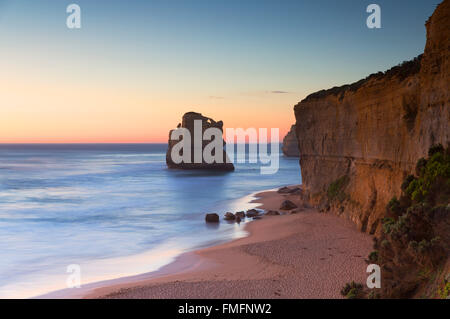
(401, 71)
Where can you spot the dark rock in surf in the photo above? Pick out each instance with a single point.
(229, 216)
(212, 218)
(240, 215)
(252, 213)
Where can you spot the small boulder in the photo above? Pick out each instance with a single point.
(287, 205)
(240, 215)
(284, 190)
(238, 219)
(272, 213)
(287, 190)
(252, 213)
(229, 216)
(257, 217)
(212, 218)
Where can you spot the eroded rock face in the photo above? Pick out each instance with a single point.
(188, 122)
(358, 142)
(290, 144)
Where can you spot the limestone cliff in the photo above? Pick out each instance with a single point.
(358, 142)
(290, 144)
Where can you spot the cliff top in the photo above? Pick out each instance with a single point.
(401, 71)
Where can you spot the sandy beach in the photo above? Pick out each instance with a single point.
(303, 255)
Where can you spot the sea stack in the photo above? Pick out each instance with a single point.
(290, 144)
(195, 143)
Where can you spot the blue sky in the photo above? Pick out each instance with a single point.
(195, 50)
(285, 38)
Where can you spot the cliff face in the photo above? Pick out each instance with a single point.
(359, 141)
(290, 144)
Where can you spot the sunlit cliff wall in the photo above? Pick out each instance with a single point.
(368, 136)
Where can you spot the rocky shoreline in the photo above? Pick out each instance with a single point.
(286, 207)
(287, 254)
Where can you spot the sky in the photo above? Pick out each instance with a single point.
(135, 67)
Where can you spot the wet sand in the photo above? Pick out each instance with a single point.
(303, 255)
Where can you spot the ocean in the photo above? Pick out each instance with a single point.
(113, 209)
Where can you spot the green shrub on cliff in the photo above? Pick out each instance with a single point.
(407, 181)
(388, 224)
(373, 295)
(373, 256)
(438, 148)
(352, 290)
(415, 232)
(444, 292)
(420, 167)
(432, 185)
(394, 205)
(336, 189)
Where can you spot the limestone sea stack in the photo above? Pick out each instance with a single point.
(290, 144)
(195, 142)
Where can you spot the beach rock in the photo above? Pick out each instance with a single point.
(287, 190)
(284, 190)
(240, 215)
(272, 213)
(229, 216)
(290, 143)
(257, 218)
(190, 121)
(287, 205)
(252, 213)
(238, 219)
(212, 218)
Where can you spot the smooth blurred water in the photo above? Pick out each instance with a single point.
(114, 209)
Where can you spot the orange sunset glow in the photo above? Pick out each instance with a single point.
(64, 113)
